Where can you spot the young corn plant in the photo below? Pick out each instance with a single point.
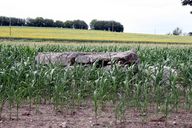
(121, 108)
(96, 104)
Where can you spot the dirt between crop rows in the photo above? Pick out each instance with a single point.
(84, 117)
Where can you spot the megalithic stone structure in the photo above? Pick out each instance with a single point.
(88, 58)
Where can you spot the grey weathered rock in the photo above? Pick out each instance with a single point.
(88, 58)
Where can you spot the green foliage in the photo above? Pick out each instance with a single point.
(177, 32)
(41, 22)
(79, 24)
(6, 21)
(59, 24)
(187, 2)
(22, 80)
(106, 25)
(75, 24)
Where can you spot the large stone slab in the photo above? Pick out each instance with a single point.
(88, 58)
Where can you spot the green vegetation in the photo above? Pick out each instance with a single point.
(75, 24)
(57, 34)
(22, 81)
(106, 26)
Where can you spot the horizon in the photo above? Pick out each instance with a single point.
(147, 16)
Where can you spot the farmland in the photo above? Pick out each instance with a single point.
(90, 96)
(39, 95)
(59, 34)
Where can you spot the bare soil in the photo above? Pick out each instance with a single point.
(84, 117)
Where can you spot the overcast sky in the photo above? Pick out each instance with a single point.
(137, 16)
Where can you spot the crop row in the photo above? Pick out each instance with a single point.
(22, 81)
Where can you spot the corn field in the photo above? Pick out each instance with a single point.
(23, 82)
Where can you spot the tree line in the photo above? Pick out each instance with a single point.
(73, 24)
(41, 22)
(106, 25)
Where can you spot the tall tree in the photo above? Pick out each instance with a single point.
(106, 26)
(59, 24)
(4, 21)
(30, 22)
(79, 24)
(39, 22)
(48, 23)
(177, 31)
(92, 24)
(68, 24)
(187, 2)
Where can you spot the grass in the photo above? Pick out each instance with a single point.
(60, 34)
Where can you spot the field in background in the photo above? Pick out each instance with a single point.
(88, 35)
